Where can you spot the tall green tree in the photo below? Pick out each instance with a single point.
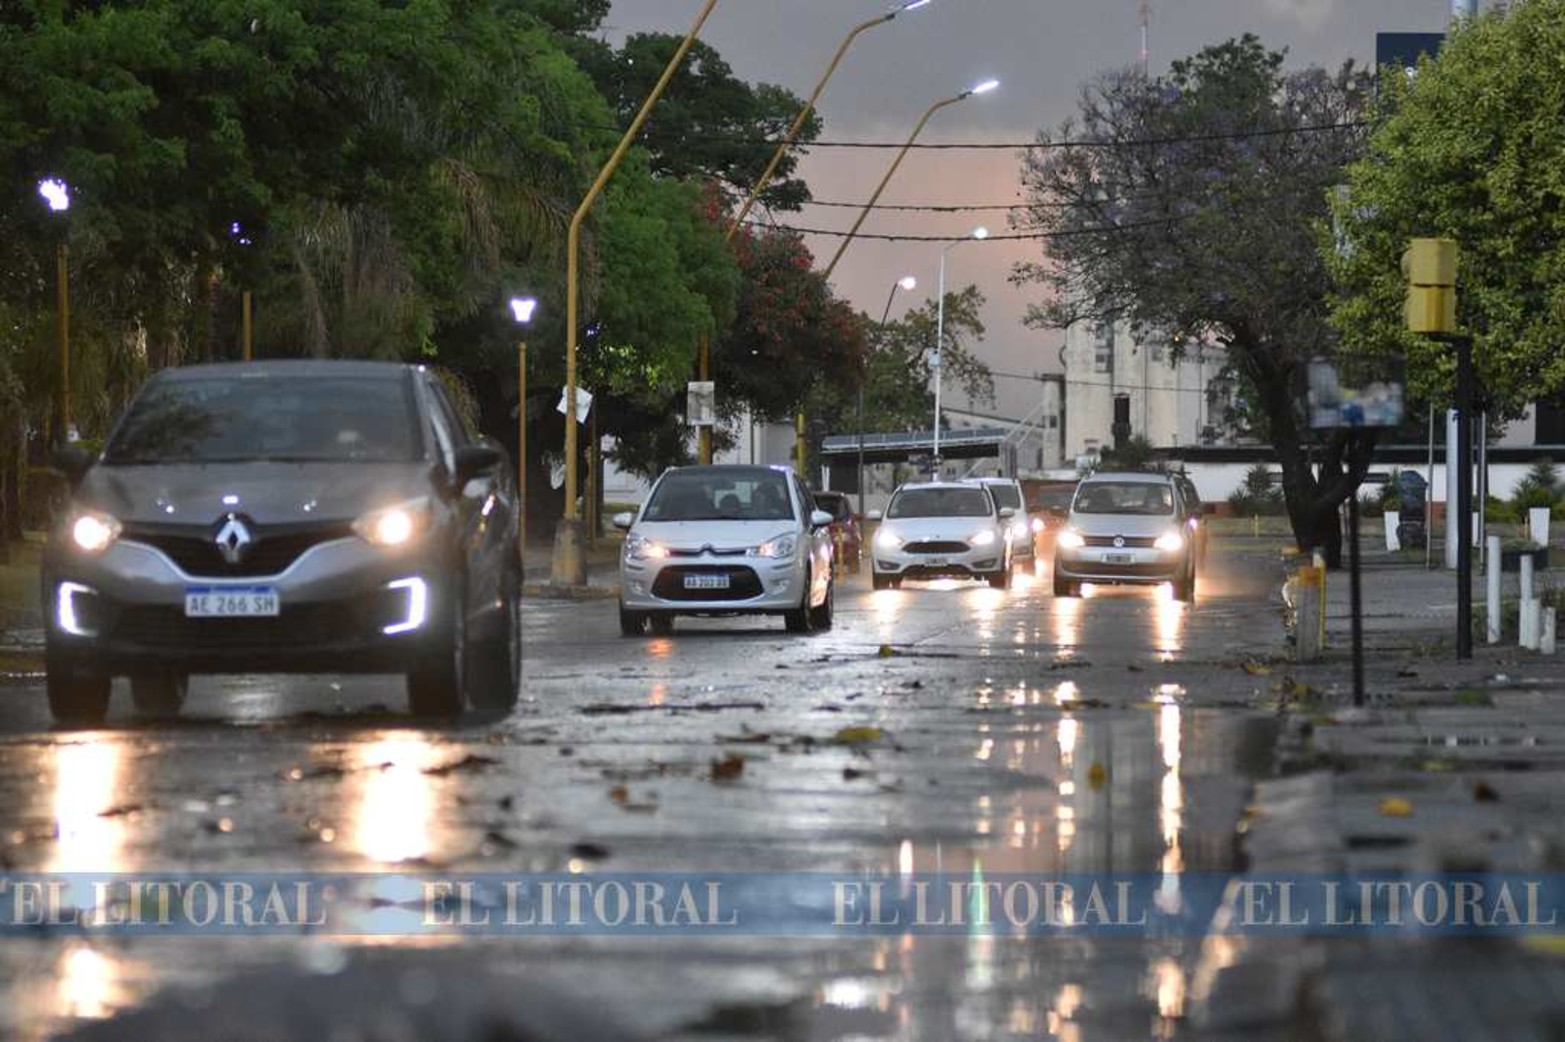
(1190, 205)
(1471, 148)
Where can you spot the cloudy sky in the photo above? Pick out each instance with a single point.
(1042, 51)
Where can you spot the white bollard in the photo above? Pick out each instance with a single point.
(1538, 525)
(1530, 624)
(1393, 520)
(1492, 618)
(1546, 641)
(1527, 591)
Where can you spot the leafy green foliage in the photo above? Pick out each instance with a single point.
(1137, 454)
(1259, 495)
(1540, 487)
(1469, 149)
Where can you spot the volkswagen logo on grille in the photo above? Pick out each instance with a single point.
(233, 539)
(1119, 542)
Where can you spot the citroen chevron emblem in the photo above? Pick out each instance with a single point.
(233, 539)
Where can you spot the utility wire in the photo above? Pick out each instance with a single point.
(1019, 237)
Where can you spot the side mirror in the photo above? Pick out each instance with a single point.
(623, 520)
(73, 461)
(473, 460)
(820, 519)
(1208, 509)
(874, 515)
(1006, 513)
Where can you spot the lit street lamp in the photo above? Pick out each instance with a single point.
(704, 449)
(981, 88)
(522, 309)
(938, 363)
(57, 194)
(908, 283)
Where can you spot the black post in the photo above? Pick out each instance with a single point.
(860, 422)
(1356, 597)
(1464, 496)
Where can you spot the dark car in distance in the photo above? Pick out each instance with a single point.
(844, 528)
(286, 517)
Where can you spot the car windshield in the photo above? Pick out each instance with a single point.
(1006, 496)
(1125, 497)
(257, 419)
(940, 502)
(716, 496)
(1056, 498)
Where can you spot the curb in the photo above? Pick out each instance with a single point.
(551, 592)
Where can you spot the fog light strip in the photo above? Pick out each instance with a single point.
(65, 608)
(418, 604)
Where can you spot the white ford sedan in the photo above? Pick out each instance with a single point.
(942, 529)
(726, 540)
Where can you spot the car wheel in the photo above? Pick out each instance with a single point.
(821, 618)
(1000, 580)
(495, 675)
(878, 581)
(631, 623)
(438, 687)
(797, 620)
(662, 623)
(1184, 588)
(1063, 587)
(159, 694)
(76, 698)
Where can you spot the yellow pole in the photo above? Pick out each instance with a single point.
(521, 438)
(798, 420)
(761, 183)
(244, 302)
(62, 273)
(569, 565)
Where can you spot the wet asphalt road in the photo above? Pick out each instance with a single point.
(1020, 734)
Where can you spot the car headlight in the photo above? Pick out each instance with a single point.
(1170, 542)
(984, 538)
(1037, 524)
(1070, 539)
(888, 540)
(395, 525)
(1019, 530)
(640, 548)
(781, 546)
(93, 532)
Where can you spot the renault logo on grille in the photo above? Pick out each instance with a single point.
(1119, 542)
(233, 539)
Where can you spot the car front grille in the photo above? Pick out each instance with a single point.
(1141, 542)
(195, 550)
(936, 546)
(743, 583)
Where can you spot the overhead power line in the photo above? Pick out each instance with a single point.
(1017, 237)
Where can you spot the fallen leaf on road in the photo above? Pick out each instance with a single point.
(1135, 668)
(728, 768)
(619, 794)
(1256, 669)
(123, 810)
(1545, 944)
(470, 762)
(746, 738)
(589, 851)
(1484, 793)
(1097, 775)
(858, 735)
(852, 774)
(1396, 807)
(886, 651)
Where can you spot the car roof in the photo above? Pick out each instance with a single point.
(936, 484)
(731, 469)
(990, 481)
(357, 369)
(1129, 477)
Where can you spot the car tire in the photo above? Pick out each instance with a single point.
(159, 694)
(821, 618)
(1063, 587)
(438, 688)
(1184, 588)
(797, 620)
(662, 623)
(76, 698)
(631, 623)
(878, 581)
(1000, 580)
(495, 674)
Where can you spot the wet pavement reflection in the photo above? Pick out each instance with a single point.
(1023, 734)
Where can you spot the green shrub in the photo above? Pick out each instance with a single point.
(1500, 512)
(1540, 488)
(1259, 496)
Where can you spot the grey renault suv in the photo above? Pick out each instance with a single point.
(286, 516)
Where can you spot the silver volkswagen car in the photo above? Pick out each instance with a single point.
(726, 540)
(1126, 529)
(286, 516)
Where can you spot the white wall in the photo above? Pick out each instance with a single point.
(1217, 481)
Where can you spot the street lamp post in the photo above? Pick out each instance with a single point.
(570, 566)
(982, 88)
(979, 233)
(58, 195)
(908, 283)
(761, 183)
(522, 309)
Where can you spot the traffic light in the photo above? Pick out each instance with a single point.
(1430, 268)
